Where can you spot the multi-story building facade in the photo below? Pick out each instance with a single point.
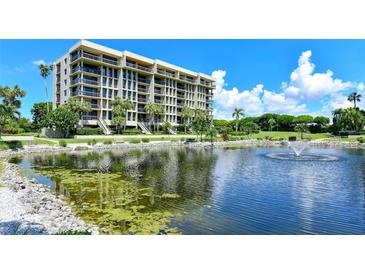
(97, 74)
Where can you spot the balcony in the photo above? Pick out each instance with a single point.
(160, 82)
(140, 89)
(180, 104)
(85, 93)
(140, 99)
(95, 106)
(85, 81)
(141, 110)
(85, 69)
(157, 101)
(169, 74)
(143, 80)
(94, 57)
(109, 61)
(137, 66)
(180, 95)
(187, 79)
(158, 92)
(89, 117)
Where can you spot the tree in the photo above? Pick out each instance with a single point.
(186, 114)
(150, 109)
(201, 124)
(348, 119)
(354, 97)
(120, 111)
(303, 119)
(61, 119)
(271, 123)
(45, 71)
(11, 97)
(166, 127)
(321, 120)
(39, 112)
(212, 134)
(301, 128)
(159, 110)
(237, 114)
(76, 105)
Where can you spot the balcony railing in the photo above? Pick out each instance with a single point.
(85, 69)
(113, 62)
(94, 57)
(187, 79)
(143, 80)
(158, 101)
(133, 65)
(179, 104)
(140, 99)
(85, 81)
(89, 117)
(86, 93)
(141, 110)
(158, 91)
(169, 74)
(142, 89)
(160, 82)
(95, 105)
(180, 95)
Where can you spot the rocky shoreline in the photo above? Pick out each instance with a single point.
(27, 207)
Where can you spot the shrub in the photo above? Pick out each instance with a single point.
(108, 142)
(89, 131)
(182, 139)
(268, 138)
(74, 232)
(145, 140)
(292, 138)
(134, 141)
(225, 136)
(63, 143)
(132, 131)
(234, 138)
(259, 139)
(190, 140)
(81, 148)
(361, 140)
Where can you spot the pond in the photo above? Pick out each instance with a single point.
(209, 191)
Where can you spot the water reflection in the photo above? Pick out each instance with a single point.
(215, 191)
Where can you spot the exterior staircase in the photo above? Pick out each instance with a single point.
(144, 128)
(104, 127)
(171, 131)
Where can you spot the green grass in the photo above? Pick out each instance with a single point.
(19, 144)
(1, 168)
(286, 134)
(337, 139)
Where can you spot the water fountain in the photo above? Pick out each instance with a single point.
(298, 147)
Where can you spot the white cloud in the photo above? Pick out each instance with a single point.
(39, 62)
(306, 85)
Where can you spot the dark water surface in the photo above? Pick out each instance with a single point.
(203, 191)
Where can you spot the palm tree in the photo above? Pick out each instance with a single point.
(45, 71)
(11, 97)
(150, 109)
(354, 97)
(75, 105)
(159, 110)
(120, 110)
(186, 114)
(271, 123)
(237, 114)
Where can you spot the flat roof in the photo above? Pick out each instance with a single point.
(120, 54)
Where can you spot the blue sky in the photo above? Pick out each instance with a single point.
(285, 76)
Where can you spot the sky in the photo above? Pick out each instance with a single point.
(277, 76)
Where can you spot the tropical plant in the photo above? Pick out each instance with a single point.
(354, 97)
(11, 96)
(75, 105)
(271, 123)
(61, 119)
(237, 114)
(154, 110)
(212, 134)
(45, 71)
(301, 128)
(39, 111)
(201, 126)
(166, 127)
(348, 119)
(120, 109)
(187, 114)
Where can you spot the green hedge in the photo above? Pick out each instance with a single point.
(89, 131)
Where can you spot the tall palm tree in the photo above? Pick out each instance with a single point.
(354, 97)
(271, 123)
(186, 114)
(159, 110)
(45, 71)
(237, 114)
(151, 108)
(120, 110)
(11, 97)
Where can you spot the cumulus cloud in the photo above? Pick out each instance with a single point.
(38, 62)
(304, 86)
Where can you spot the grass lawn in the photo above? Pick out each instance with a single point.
(1, 169)
(333, 139)
(19, 144)
(286, 134)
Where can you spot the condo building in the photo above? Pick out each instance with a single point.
(98, 74)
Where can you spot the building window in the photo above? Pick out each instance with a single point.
(65, 92)
(65, 60)
(65, 82)
(104, 92)
(65, 71)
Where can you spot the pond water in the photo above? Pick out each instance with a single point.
(209, 191)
